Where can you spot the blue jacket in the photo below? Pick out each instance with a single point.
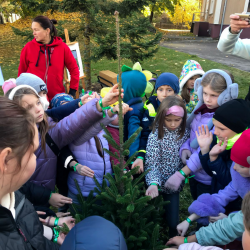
(60, 112)
(146, 122)
(132, 121)
(94, 233)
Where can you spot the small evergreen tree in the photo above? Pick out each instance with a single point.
(123, 201)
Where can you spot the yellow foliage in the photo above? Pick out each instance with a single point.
(184, 11)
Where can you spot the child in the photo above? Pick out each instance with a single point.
(63, 132)
(134, 83)
(20, 225)
(211, 205)
(214, 89)
(162, 156)
(190, 72)
(167, 84)
(229, 120)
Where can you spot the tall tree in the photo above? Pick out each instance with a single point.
(95, 25)
(160, 6)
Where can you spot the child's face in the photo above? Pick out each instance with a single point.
(246, 240)
(43, 93)
(163, 92)
(172, 122)
(222, 131)
(243, 171)
(28, 166)
(34, 107)
(190, 82)
(210, 97)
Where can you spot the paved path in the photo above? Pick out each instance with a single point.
(207, 49)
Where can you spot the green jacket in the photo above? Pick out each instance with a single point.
(221, 232)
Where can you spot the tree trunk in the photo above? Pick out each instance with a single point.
(87, 62)
(151, 16)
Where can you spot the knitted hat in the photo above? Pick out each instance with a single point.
(168, 79)
(241, 149)
(60, 99)
(32, 80)
(190, 69)
(9, 84)
(234, 114)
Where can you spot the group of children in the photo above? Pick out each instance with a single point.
(193, 129)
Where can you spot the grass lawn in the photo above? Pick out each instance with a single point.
(165, 60)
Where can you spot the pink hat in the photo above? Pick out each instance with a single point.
(9, 84)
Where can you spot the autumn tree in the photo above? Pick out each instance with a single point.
(183, 12)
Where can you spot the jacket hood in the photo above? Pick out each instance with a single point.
(190, 69)
(134, 84)
(56, 41)
(94, 233)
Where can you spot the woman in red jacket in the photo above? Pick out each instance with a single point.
(47, 55)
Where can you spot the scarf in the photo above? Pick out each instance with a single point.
(203, 109)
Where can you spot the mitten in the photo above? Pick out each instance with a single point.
(174, 181)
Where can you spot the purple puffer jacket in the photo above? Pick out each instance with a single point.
(63, 133)
(86, 154)
(212, 205)
(193, 162)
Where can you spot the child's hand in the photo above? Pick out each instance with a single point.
(41, 213)
(185, 154)
(61, 238)
(111, 97)
(138, 162)
(69, 221)
(178, 240)
(183, 227)
(217, 149)
(125, 108)
(204, 139)
(174, 181)
(58, 200)
(152, 191)
(84, 171)
(215, 218)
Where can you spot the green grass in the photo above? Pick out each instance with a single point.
(165, 60)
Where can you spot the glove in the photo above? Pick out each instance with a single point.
(183, 227)
(174, 181)
(185, 154)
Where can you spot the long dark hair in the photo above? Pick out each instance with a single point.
(45, 23)
(17, 129)
(159, 121)
(44, 125)
(185, 93)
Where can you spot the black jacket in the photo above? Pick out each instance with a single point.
(25, 232)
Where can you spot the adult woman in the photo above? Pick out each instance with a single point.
(46, 55)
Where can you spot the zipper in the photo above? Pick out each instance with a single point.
(103, 158)
(47, 66)
(21, 232)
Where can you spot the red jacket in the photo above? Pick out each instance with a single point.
(58, 55)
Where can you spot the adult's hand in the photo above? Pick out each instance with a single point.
(236, 24)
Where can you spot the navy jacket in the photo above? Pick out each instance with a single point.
(146, 123)
(132, 121)
(60, 112)
(219, 169)
(94, 233)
